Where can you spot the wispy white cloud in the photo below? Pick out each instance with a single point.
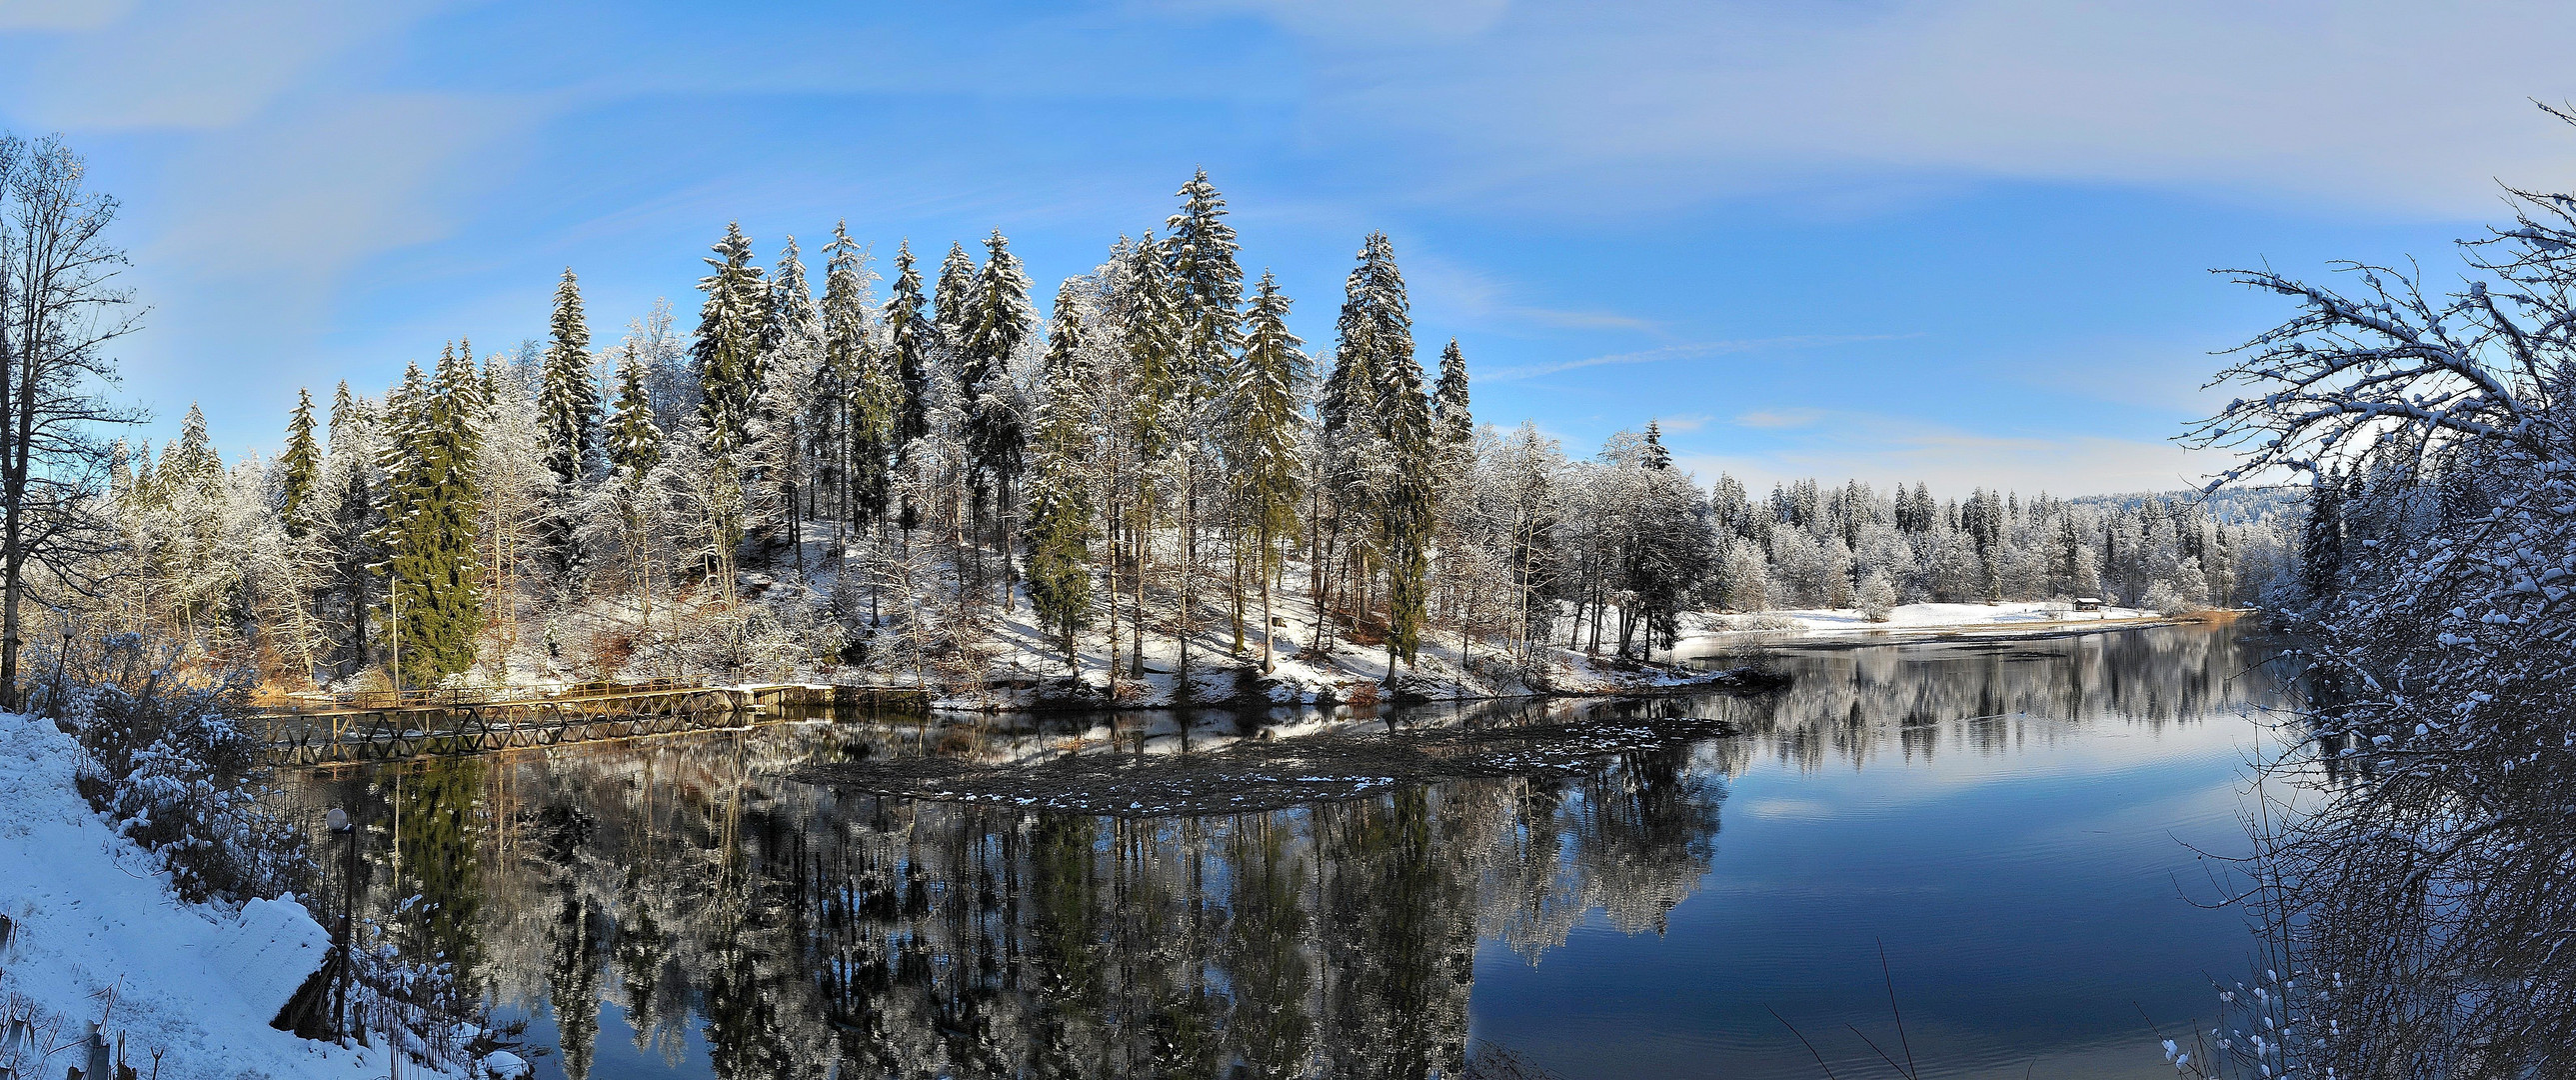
(2412, 108)
(1463, 293)
(1684, 423)
(1690, 351)
(184, 66)
(1780, 418)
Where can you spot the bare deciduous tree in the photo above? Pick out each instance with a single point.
(59, 310)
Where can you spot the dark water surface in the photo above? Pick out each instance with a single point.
(2012, 820)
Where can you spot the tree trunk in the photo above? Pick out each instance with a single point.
(1268, 628)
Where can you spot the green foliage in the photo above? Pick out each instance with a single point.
(1376, 396)
(299, 469)
(1059, 526)
(1267, 422)
(433, 597)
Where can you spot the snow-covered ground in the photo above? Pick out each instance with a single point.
(1023, 665)
(98, 934)
(1911, 618)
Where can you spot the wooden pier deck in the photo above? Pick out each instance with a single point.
(389, 726)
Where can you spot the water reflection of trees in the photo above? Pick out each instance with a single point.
(688, 884)
(1852, 705)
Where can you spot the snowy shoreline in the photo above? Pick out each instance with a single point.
(97, 933)
(1921, 621)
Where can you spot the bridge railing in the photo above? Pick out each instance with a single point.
(459, 696)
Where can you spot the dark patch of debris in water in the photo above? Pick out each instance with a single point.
(1255, 777)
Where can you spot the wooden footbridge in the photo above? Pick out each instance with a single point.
(389, 726)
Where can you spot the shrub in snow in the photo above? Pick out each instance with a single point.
(1877, 597)
(174, 769)
(2163, 599)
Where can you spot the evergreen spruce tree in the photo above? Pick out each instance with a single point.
(1150, 328)
(1207, 291)
(1449, 410)
(1058, 531)
(634, 442)
(865, 389)
(191, 462)
(1154, 333)
(299, 470)
(792, 369)
(1656, 456)
(435, 607)
(2320, 546)
(1376, 399)
(1207, 282)
(568, 399)
(995, 436)
(953, 302)
(908, 338)
(727, 353)
(1265, 390)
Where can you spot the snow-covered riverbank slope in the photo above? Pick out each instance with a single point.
(95, 933)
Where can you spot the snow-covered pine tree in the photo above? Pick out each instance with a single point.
(1449, 401)
(299, 469)
(952, 301)
(997, 324)
(791, 368)
(1657, 456)
(353, 484)
(1454, 491)
(865, 392)
(1149, 324)
(434, 604)
(569, 400)
(2320, 540)
(634, 441)
(1207, 282)
(191, 485)
(1377, 319)
(1200, 251)
(727, 353)
(1059, 527)
(1266, 425)
(909, 338)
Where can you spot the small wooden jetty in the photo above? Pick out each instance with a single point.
(391, 726)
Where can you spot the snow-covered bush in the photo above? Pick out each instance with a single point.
(1877, 597)
(172, 765)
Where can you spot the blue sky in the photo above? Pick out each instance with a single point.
(1961, 242)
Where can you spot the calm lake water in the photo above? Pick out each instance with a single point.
(2012, 822)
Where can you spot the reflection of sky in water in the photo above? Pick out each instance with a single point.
(2026, 882)
(2023, 869)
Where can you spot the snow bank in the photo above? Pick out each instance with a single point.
(92, 920)
(1914, 618)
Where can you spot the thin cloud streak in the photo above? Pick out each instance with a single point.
(1691, 351)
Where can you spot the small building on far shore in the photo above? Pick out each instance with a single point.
(2088, 603)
